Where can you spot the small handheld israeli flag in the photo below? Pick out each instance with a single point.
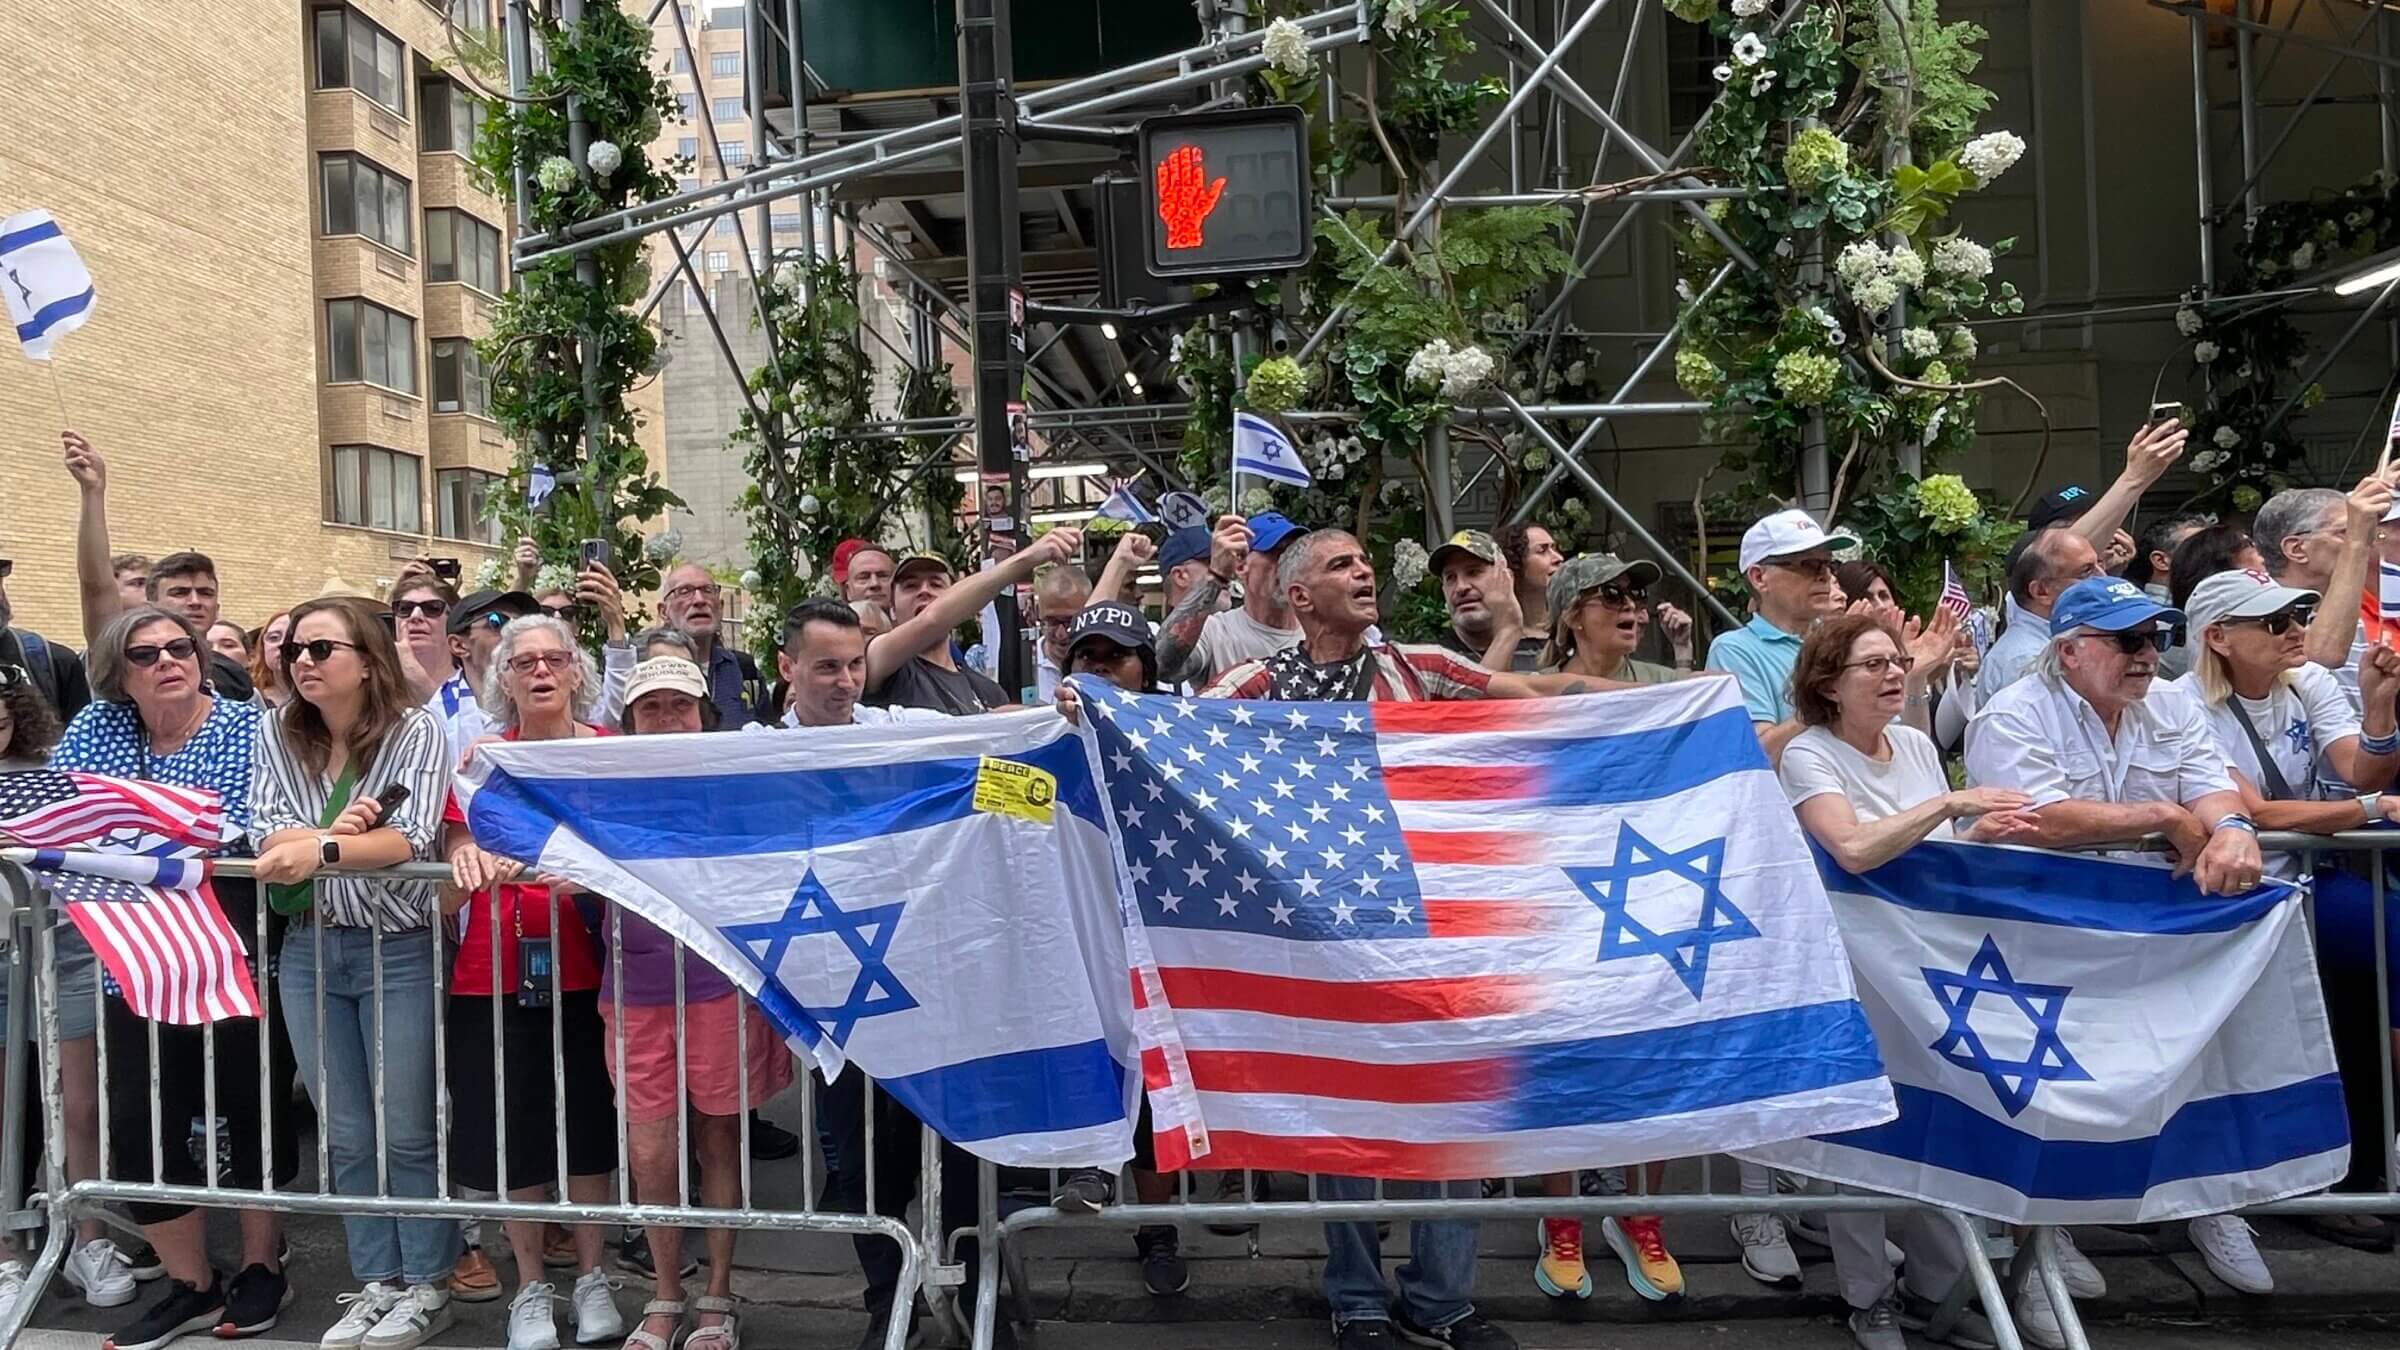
(1258, 448)
(1123, 505)
(49, 291)
(539, 484)
(1183, 511)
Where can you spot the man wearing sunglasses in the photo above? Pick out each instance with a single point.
(474, 624)
(2106, 756)
(1788, 560)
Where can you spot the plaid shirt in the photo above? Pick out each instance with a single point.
(1412, 673)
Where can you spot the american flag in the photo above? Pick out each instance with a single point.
(156, 926)
(1954, 596)
(44, 808)
(1445, 940)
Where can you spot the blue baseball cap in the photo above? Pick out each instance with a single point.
(1269, 530)
(2110, 604)
(1183, 546)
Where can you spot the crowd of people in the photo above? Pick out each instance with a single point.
(2279, 713)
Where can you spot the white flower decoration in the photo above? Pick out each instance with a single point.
(1399, 14)
(2304, 257)
(1761, 83)
(2188, 321)
(1988, 156)
(809, 505)
(1723, 72)
(1878, 295)
(1749, 49)
(1859, 263)
(1409, 561)
(556, 174)
(1963, 342)
(1920, 342)
(752, 581)
(2227, 438)
(1576, 372)
(1749, 9)
(1961, 257)
(1905, 265)
(603, 158)
(2204, 352)
(1286, 48)
(2208, 461)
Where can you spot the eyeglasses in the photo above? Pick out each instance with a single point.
(2281, 621)
(692, 588)
(566, 611)
(431, 609)
(147, 654)
(317, 650)
(1880, 665)
(525, 663)
(1811, 567)
(2129, 643)
(1059, 625)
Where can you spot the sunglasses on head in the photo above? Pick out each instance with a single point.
(431, 609)
(319, 650)
(2129, 643)
(2281, 621)
(147, 654)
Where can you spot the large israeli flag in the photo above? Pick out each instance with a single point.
(2079, 1040)
(49, 292)
(938, 906)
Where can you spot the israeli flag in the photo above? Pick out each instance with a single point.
(539, 484)
(1123, 505)
(935, 901)
(2075, 1039)
(49, 291)
(1183, 511)
(1258, 448)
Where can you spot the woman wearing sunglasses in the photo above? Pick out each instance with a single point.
(358, 963)
(154, 718)
(1599, 606)
(526, 948)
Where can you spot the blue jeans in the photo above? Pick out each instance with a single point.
(414, 1251)
(1437, 1282)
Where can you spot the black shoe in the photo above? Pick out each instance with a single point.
(253, 1300)
(2360, 1232)
(1161, 1255)
(143, 1258)
(1365, 1334)
(1086, 1190)
(770, 1142)
(634, 1258)
(1471, 1332)
(184, 1310)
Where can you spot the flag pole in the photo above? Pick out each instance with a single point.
(65, 422)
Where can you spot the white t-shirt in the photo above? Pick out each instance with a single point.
(1817, 762)
(2297, 721)
(1230, 638)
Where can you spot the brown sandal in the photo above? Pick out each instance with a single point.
(725, 1335)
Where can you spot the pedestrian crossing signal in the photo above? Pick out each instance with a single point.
(1227, 192)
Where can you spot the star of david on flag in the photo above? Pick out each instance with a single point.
(865, 932)
(1471, 939)
(2013, 1080)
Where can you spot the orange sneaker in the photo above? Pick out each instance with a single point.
(1560, 1271)
(1638, 1243)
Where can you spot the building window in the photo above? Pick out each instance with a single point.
(375, 487)
(784, 224)
(683, 62)
(725, 65)
(687, 184)
(684, 103)
(354, 54)
(717, 258)
(473, 16)
(1693, 53)
(362, 197)
(688, 146)
(737, 155)
(450, 119)
(365, 341)
(725, 224)
(458, 247)
(725, 109)
(458, 503)
(726, 16)
(459, 382)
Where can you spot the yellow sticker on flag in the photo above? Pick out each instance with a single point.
(1004, 787)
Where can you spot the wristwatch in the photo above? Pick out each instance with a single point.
(329, 850)
(2372, 804)
(2235, 820)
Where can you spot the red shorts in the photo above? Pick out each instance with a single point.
(646, 1039)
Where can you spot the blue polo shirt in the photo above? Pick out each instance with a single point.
(1761, 657)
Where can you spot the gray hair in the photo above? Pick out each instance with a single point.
(2287, 513)
(502, 706)
(105, 663)
(664, 636)
(1292, 562)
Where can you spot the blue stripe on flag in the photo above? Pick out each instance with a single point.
(1065, 1087)
(1696, 1067)
(1643, 766)
(31, 234)
(2062, 889)
(51, 313)
(2215, 1136)
(728, 815)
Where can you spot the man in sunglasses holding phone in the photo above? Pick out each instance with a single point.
(2105, 755)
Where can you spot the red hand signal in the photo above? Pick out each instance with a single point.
(1185, 196)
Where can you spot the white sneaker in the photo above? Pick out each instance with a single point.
(2224, 1242)
(2083, 1278)
(530, 1325)
(101, 1272)
(366, 1308)
(1766, 1251)
(2037, 1321)
(596, 1316)
(420, 1315)
(12, 1286)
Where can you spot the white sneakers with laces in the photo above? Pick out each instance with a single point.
(365, 1309)
(2224, 1242)
(530, 1324)
(1766, 1250)
(597, 1320)
(101, 1272)
(2037, 1321)
(2082, 1277)
(419, 1315)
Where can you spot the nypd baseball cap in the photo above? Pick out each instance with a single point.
(2060, 507)
(2109, 604)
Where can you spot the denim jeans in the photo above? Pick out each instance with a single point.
(1437, 1282)
(414, 1251)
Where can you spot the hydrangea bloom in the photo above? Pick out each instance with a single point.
(1859, 264)
(752, 581)
(1409, 561)
(487, 577)
(2304, 257)
(1399, 14)
(603, 158)
(2245, 498)
(2204, 352)
(1962, 342)
(1947, 503)
(1692, 11)
(1988, 156)
(663, 546)
(2227, 438)
(1696, 373)
(2188, 321)
(1921, 342)
(1814, 158)
(809, 505)
(553, 577)
(1456, 372)
(1878, 295)
(1275, 385)
(1286, 48)
(1961, 257)
(1749, 9)
(1905, 265)
(1807, 378)
(2208, 461)
(557, 174)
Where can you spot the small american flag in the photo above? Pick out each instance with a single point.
(44, 808)
(1465, 939)
(155, 924)
(1954, 596)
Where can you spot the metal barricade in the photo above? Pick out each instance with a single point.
(62, 1202)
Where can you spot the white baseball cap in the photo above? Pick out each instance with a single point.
(1786, 533)
(2240, 595)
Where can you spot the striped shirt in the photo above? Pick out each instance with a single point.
(1404, 673)
(285, 795)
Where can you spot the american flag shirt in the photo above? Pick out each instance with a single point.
(1403, 673)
